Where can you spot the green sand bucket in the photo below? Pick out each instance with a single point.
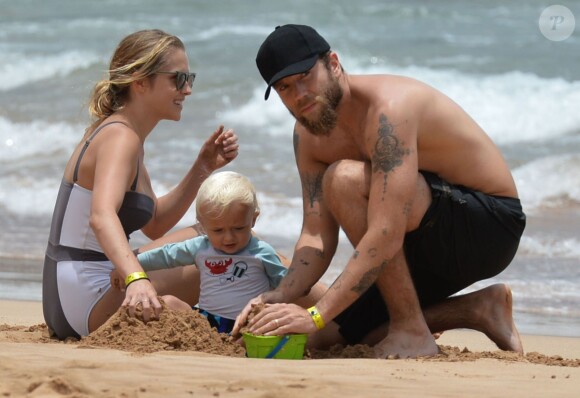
(290, 346)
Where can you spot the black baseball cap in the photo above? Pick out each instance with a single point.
(289, 50)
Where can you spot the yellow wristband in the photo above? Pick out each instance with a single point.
(135, 276)
(316, 317)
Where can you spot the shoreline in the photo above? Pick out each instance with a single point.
(53, 368)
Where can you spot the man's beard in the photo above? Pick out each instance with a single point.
(328, 115)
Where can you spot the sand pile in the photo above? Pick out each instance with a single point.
(175, 330)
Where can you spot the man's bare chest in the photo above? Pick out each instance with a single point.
(331, 150)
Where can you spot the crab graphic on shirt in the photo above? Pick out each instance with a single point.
(220, 267)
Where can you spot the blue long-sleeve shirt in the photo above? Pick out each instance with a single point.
(228, 281)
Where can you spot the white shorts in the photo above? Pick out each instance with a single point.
(81, 284)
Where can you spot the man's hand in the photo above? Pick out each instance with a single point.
(280, 319)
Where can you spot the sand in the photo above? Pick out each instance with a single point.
(126, 358)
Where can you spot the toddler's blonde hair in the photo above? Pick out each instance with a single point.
(222, 189)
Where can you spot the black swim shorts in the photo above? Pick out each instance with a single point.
(465, 236)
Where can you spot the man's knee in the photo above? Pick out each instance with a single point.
(345, 177)
(421, 203)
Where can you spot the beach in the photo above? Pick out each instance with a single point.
(491, 58)
(33, 365)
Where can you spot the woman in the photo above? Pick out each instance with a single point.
(106, 191)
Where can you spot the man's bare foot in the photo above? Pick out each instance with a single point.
(495, 309)
(487, 310)
(405, 345)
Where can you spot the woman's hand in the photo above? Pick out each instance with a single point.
(142, 292)
(219, 149)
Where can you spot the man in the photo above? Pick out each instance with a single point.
(420, 190)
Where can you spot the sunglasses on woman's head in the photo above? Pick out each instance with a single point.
(181, 78)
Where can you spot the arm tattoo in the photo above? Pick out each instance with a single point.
(389, 151)
(368, 279)
(312, 185)
(317, 252)
(338, 282)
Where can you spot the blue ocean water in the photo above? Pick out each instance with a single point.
(491, 57)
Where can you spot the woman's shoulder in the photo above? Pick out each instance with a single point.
(114, 136)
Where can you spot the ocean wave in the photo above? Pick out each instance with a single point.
(550, 247)
(512, 107)
(24, 140)
(24, 69)
(27, 195)
(279, 216)
(554, 296)
(549, 182)
(269, 118)
(238, 30)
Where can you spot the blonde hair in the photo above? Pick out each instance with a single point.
(222, 189)
(138, 55)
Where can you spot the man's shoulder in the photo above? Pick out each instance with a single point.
(398, 98)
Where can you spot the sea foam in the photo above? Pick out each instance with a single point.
(25, 69)
(511, 107)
